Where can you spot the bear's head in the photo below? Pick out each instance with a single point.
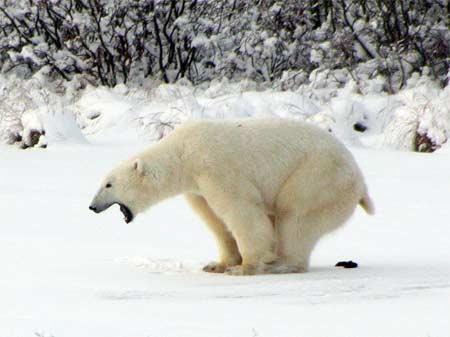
(126, 186)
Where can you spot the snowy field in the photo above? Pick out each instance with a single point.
(85, 84)
(67, 272)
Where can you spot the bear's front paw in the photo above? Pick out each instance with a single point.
(215, 267)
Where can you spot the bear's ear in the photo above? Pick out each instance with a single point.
(138, 166)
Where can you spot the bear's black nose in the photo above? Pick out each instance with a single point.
(93, 208)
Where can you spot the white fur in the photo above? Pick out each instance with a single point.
(267, 189)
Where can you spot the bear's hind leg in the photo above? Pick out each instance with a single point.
(297, 239)
(299, 233)
(228, 251)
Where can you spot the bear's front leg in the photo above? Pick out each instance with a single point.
(228, 254)
(228, 251)
(254, 235)
(240, 206)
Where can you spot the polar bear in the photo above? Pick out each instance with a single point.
(268, 189)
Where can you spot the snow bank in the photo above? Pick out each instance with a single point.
(35, 106)
(417, 118)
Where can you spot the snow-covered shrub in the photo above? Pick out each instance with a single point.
(14, 101)
(33, 132)
(433, 127)
(33, 112)
(419, 120)
(125, 41)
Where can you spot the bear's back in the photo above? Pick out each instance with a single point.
(266, 137)
(265, 151)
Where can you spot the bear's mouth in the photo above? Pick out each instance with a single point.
(127, 214)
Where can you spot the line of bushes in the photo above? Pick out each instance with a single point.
(125, 41)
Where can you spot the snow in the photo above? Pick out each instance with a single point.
(122, 114)
(69, 272)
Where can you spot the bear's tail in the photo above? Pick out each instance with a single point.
(367, 204)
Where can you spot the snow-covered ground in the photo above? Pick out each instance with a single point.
(67, 272)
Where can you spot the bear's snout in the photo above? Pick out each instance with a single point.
(93, 208)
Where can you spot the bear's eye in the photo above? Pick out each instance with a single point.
(108, 185)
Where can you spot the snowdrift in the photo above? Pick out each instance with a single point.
(415, 119)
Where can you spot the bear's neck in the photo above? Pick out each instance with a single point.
(165, 158)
